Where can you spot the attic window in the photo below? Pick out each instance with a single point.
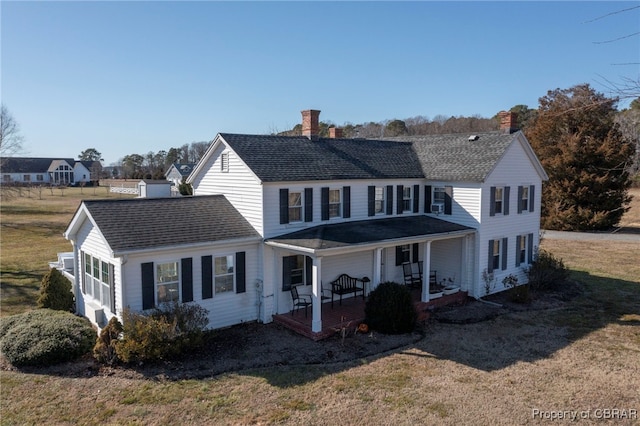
(474, 137)
(224, 162)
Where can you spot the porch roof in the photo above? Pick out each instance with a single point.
(368, 232)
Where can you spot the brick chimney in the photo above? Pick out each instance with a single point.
(311, 123)
(335, 133)
(508, 121)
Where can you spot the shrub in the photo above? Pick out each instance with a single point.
(55, 292)
(45, 337)
(167, 331)
(105, 349)
(546, 271)
(389, 309)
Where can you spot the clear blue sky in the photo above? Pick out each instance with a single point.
(134, 77)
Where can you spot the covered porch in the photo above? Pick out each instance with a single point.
(351, 314)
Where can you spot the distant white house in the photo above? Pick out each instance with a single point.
(177, 172)
(270, 213)
(56, 171)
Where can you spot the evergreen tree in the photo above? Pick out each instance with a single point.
(55, 292)
(586, 158)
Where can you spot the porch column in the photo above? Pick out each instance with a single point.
(377, 268)
(426, 269)
(316, 295)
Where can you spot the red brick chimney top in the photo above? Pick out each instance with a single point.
(311, 123)
(335, 132)
(508, 121)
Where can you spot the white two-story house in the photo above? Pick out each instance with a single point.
(272, 212)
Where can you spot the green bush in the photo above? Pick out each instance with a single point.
(389, 309)
(166, 332)
(105, 349)
(55, 292)
(546, 271)
(45, 337)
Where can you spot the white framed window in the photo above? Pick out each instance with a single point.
(379, 200)
(105, 280)
(524, 199)
(522, 249)
(499, 200)
(496, 252)
(39, 178)
(438, 195)
(295, 206)
(334, 203)
(405, 253)
(224, 162)
(167, 282)
(26, 178)
(97, 280)
(224, 275)
(406, 198)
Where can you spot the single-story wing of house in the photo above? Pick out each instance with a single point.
(56, 171)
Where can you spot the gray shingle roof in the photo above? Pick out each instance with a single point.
(437, 157)
(136, 224)
(367, 231)
(35, 164)
(456, 158)
(297, 158)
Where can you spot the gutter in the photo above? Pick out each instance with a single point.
(248, 240)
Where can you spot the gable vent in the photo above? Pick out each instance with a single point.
(474, 137)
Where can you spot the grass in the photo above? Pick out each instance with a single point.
(583, 357)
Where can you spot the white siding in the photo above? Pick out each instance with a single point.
(239, 185)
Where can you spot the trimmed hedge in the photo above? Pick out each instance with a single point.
(55, 292)
(45, 337)
(389, 309)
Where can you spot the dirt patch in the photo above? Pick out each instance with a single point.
(253, 345)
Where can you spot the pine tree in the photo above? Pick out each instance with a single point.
(55, 292)
(586, 158)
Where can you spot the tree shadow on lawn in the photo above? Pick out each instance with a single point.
(517, 333)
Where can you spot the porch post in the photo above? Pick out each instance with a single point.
(377, 268)
(316, 295)
(426, 268)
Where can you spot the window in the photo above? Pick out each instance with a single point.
(379, 200)
(495, 256)
(498, 200)
(334, 203)
(167, 288)
(26, 178)
(295, 206)
(98, 280)
(296, 270)
(6, 178)
(39, 178)
(524, 199)
(438, 195)
(224, 162)
(522, 249)
(405, 253)
(223, 274)
(406, 198)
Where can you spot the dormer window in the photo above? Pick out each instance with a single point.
(224, 162)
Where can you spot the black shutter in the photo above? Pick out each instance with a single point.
(519, 200)
(389, 199)
(427, 198)
(148, 286)
(308, 269)
(448, 199)
(286, 273)
(504, 253)
(371, 200)
(398, 255)
(518, 242)
(207, 277)
(324, 203)
(416, 198)
(532, 198)
(490, 262)
(187, 279)
(492, 201)
(346, 202)
(415, 252)
(530, 249)
(112, 288)
(505, 205)
(284, 205)
(241, 275)
(399, 194)
(308, 204)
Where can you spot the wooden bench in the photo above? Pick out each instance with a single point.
(345, 284)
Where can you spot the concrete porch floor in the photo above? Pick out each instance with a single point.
(351, 313)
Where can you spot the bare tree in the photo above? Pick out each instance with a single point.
(10, 138)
